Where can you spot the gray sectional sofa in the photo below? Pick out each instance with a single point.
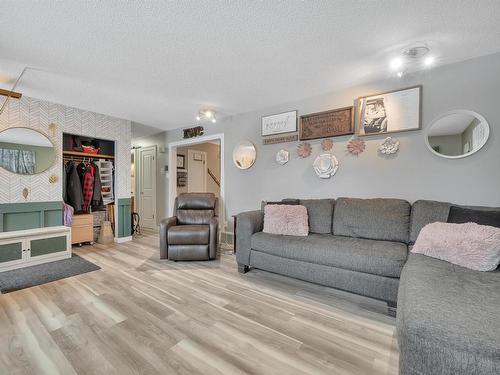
(448, 317)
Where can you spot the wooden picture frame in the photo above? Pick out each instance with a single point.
(280, 123)
(331, 123)
(181, 161)
(389, 112)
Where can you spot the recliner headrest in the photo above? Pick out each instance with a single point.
(196, 201)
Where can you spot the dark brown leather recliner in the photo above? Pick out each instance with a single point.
(191, 234)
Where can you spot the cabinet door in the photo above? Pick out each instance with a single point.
(12, 253)
(47, 246)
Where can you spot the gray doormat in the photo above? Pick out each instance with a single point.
(44, 273)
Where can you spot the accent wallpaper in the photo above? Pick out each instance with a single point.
(38, 114)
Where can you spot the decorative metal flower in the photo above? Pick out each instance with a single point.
(389, 146)
(304, 150)
(327, 144)
(325, 165)
(282, 156)
(356, 146)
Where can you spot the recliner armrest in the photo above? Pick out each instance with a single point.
(213, 237)
(248, 223)
(165, 224)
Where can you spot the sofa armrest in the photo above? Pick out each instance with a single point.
(213, 237)
(248, 223)
(165, 224)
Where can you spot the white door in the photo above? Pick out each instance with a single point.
(147, 187)
(197, 171)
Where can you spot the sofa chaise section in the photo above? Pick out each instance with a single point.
(448, 318)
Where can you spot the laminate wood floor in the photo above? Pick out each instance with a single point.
(140, 315)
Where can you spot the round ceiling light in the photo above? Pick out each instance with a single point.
(206, 115)
(412, 57)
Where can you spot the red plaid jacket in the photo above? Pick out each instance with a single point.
(88, 188)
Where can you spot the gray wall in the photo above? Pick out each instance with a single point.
(414, 173)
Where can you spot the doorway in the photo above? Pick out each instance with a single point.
(197, 171)
(190, 154)
(146, 197)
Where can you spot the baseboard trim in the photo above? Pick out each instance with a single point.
(123, 239)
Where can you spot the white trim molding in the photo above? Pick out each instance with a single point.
(123, 239)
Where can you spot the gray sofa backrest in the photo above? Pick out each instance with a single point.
(377, 219)
(424, 212)
(320, 214)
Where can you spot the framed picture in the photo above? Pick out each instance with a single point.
(325, 124)
(390, 112)
(181, 161)
(280, 123)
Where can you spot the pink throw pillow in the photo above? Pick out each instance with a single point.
(289, 220)
(468, 245)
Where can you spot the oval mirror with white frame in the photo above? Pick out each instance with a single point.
(244, 154)
(25, 151)
(457, 134)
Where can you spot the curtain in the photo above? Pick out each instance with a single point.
(18, 161)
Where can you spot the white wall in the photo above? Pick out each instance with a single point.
(414, 173)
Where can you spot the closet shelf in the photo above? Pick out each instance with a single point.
(87, 155)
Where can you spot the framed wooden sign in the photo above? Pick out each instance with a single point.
(325, 124)
(280, 123)
(390, 112)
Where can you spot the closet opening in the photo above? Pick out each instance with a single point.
(89, 188)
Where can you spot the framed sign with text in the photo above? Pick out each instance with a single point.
(326, 124)
(280, 123)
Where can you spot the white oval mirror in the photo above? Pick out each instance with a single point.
(244, 154)
(457, 134)
(25, 151)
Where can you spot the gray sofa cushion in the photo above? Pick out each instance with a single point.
(377, 219)
(448, 318)
(424, 212)
(376, 257)
(320, 214)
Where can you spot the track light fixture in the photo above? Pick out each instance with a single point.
(206, 115)
(413, 56)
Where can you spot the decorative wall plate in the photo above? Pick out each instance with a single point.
(282, 157)
(389, 146)
(325, 165)
(327, 144)
(355, 146)
(304, 149)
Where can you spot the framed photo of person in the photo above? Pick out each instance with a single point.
(390, 112)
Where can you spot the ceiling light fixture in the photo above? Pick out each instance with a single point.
(412, 58)
(206, 115)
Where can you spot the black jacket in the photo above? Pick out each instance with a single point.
(74, 194)
(97, 195)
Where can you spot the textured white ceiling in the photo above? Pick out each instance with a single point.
(158, 62)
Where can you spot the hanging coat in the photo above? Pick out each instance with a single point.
(97, 196)
(74, 188)
(88, 188)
